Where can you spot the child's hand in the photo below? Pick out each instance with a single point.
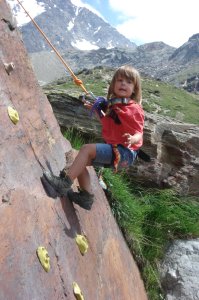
(132, 139)
(129, 139)
(88, 105)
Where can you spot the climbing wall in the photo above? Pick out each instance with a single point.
(49, 248)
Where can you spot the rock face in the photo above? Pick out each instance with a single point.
(173, 146)
(30, 218)
(179, 271)
(174, 149)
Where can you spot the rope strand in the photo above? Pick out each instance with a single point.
(75, 79)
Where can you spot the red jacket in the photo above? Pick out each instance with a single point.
(131, 117)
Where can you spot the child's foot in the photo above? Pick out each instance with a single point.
(82, 198)
(61, 185)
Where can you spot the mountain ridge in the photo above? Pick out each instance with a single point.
(71, 29)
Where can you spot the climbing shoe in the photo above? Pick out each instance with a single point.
(60, 184)
(82, 198)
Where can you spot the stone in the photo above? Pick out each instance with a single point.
(179, 270)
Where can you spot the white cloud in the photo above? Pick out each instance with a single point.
(32, 7)
(171, 21)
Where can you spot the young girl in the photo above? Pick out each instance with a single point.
(122, 119)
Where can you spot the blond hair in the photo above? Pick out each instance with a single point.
(131, 73)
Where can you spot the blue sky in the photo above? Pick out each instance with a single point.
(144, 21)
(103, 7)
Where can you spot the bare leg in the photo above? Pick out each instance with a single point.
(84, 181)
(78, 169)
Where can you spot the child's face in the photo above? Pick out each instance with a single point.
(123, 87)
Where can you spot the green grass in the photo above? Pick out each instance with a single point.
(148, 218)
(170, 100)
(158, 97)
(74, 137)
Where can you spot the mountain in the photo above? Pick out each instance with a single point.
(69, 27)
(183, 65)
(155, 59)
(188, 51)
(147, 61)
(73, 29)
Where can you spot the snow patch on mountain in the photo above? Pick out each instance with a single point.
(70, 25)
(84, 45)
(98, 29)
(79, 3)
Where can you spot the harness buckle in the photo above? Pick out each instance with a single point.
(125, 101)
(118, 101)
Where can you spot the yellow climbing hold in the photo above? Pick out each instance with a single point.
(13, 114)
(43, 258)
(82, 243)
(77, 291)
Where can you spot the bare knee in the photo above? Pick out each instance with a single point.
(89, 149)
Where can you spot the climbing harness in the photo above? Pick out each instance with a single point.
(117, 157)
(118, 101)
(75, 79)
(102, 107)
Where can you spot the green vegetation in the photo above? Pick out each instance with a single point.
(169, 101)
(149, 220)
(158, 97)
(74, 137)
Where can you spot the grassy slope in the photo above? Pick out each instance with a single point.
(158, 97)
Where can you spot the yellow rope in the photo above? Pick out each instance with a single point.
(75, 79)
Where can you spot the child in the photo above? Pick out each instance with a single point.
(122, 119)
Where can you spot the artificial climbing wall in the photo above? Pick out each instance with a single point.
(31, 216)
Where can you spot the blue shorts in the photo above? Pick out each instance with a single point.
(105, 156)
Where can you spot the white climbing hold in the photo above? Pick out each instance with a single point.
(9, 67)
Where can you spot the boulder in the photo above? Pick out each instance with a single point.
(174, 150)
(179, 270)
(172, 145)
